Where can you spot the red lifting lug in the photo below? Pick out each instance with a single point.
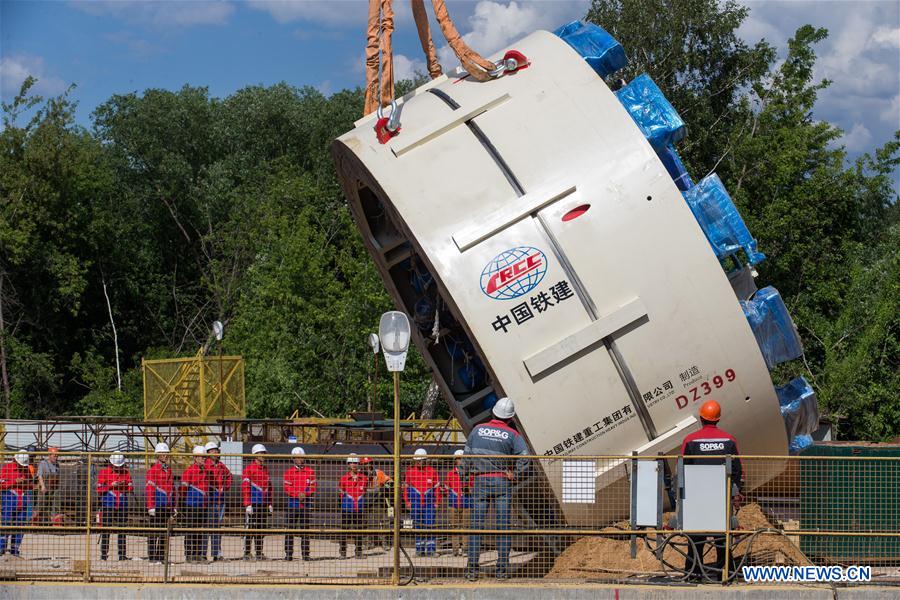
(382, 132)
(520, 59)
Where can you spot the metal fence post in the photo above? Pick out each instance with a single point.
(395, 576)
(727, 520)
(88, 516)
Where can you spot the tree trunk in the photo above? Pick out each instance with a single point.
(432, 396)
(115, 338)
(3, 375)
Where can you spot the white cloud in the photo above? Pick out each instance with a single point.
(858, 139)
(138, 46)
(328, 12)
(861, 58)
(158, 14)
(14, 69)
(406, 68)
(494, 25)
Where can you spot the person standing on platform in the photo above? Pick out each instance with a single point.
(16, 484)
(256, 491)
(422, 495)
(459, 499)
(353, 491)
(113, 486)
(219, 484)
(195, 489)
(160, 495)
(48, 484)
(299, 487)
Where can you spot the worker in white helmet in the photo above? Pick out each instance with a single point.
(219, 482)
(299, 487)
(195, 490)
(493, 479)
(422, 495)
(16, 483)
(353, 487)
(113, 486)
(458, 485)
(160, 497)
(256, 491)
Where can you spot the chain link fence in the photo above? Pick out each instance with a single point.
(337, 518)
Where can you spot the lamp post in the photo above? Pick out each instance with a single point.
(375, 345)
(394, 333)
(218, 331)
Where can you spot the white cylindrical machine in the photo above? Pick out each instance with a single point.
(528, 227)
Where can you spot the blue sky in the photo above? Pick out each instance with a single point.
(110, 47)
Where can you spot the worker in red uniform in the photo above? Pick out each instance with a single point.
(160, 494)
(219, 484)
(422, 495)
(353, 487)
(194, 492)
(299, 487)
(113, 486)
(256, 491)
(16, 484)
(458, 486)
(709, 445)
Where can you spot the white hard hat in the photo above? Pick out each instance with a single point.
(298, 451)
(258, 449)
(161, 448)
(21, 458)
(459, 452)
(211, 446)
(420, 454)
(352, 459)
(117, 460)
(198, 451)
(504, 409)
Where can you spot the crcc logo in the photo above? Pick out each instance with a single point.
(513, 273)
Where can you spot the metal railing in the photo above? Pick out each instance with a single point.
(561, 519)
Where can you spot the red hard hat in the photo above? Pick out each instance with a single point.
(711, 411)
(365, 460)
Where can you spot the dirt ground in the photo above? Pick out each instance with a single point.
(610, 558)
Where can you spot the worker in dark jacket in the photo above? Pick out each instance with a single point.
(493, 479)
(710, 441)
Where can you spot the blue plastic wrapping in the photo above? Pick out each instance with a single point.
(675, 167)
(799, 443)
(657, 119)
(600, 50)
(720, 219)
(799, 407)
(772, 326)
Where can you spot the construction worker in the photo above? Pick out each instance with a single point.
(353, 487)
(710, 441)
(194, 491)
(380, 496)
(493, 480)
(422, 495)
(160, 494)
(15, 500)
(48, 484)
(219, 484)
(256, 491)
(299, 487)
(113, 486)
(458, 486)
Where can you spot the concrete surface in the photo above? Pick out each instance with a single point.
(62, 591)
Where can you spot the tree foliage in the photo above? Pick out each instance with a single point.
(191, 208)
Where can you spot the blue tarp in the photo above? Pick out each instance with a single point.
(799, 407)
(720, 219)
(675, 167)
(657, 119)
(601, 51)
(798, 443)
(772, 326)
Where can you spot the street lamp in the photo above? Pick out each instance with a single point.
(393, 330)
(375, 346)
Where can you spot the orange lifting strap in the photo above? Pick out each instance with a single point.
(379, 57)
